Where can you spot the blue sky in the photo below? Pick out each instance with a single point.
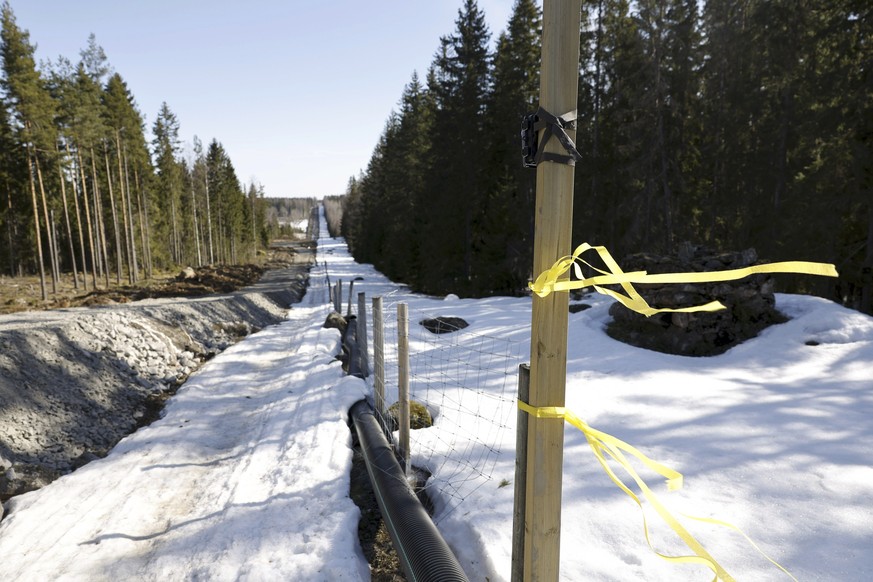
(297, 92)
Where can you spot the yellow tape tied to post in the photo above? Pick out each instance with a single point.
(557, 278)
(601, 442)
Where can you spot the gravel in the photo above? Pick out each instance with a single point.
(73, 382)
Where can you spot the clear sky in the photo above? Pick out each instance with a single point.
(297, 91)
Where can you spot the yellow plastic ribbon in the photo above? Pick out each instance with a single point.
(601, 442)
(557, 278)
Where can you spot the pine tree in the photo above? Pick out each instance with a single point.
(168, 187)
(231, 210)
(200, 184)
(459, 84)
(509, 213)
(32, 111)
(126, 126)
(13, 187)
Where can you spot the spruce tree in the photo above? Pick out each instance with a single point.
(509, 211)
(168, 187)
(456, 178)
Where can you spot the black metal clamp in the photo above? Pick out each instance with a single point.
(533, 151)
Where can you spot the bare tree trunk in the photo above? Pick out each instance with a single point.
(196, 227)
(867, 268)
(9, 229)
(145, 230)
(254, 225)
(30, 161)
(56, 259)
(85, 204)
(220, 237)
(67, 221)
(124, 210)
(176, 250)
(79, 228)
(209, 220)
(101, 221)
(134, 263)
(48, 228)
(118, 252)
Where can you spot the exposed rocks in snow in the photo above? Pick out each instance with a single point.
(75, 382)
(441, 324)
(750, 304)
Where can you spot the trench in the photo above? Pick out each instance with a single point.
(405, 511)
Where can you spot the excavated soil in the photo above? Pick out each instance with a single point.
(76, 380)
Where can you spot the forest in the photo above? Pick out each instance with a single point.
(283, 215)
(728, 124)
(85, 195)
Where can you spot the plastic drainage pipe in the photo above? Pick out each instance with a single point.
(350, 344)
(424, 554)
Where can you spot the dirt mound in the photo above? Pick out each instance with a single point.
(74, 382)
(23, 293)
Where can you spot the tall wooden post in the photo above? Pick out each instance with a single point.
(403, 383)
(552, 240)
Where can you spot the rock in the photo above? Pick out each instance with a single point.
(750, 304)
(439, 325)
(187, 273)
(336, 321)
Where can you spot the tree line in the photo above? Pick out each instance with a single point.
(284, 216)
(87, 195)
(723, 123)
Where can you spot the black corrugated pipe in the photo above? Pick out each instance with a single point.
(424, 554)
(351, 348)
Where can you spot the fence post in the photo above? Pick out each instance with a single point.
(338, 297)
(364, 363)
(351, 292)
(559, 80)
(517, 574)
(378, 357)
(403, 383)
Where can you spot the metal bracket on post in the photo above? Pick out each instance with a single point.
(533, 150)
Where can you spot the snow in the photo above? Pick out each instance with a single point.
(246, 475)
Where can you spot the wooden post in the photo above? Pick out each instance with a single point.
(517, 572)
(403, 383)
(378, 357)
(364, 364)
(559, 79)
(351, 292)
(338, 297)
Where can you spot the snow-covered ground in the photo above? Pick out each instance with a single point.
(246, 476)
